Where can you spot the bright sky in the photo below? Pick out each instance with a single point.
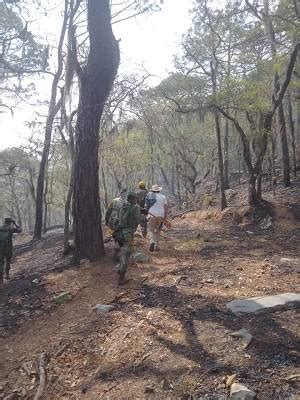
(148, 40)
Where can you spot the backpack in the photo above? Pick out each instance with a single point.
(114, 217)
(150, 200)
(4, 237)
(127, 216)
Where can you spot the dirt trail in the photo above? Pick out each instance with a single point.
(168, 336)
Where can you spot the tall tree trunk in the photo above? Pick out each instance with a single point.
(220, 159)
(292, 132)
(178, 185)
(95, 84)
(68, 206)
(52, 111)
(239, 159)
(173, 178)
(252, 193)
(15, 200)
(273, 152)
(297, 111)
(259, 187)
(267, 19)
(226, 159)
(284, 147)
(104, 187)
(45, 203)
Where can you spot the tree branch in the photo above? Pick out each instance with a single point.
(288, 76)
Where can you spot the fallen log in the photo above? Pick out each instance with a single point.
(42, 374)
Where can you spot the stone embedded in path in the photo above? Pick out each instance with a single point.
(241, 392)
(264, 303)
(294, 263)
(243, 334)
(103, 308)
(140, 257)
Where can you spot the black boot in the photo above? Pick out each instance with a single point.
(7, 269)
(151, 248)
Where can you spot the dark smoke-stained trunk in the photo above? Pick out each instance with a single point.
(252, 193)
(95, 84)
(284, 147)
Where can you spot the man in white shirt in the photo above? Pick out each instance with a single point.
(157, 206)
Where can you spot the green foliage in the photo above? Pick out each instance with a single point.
(20, 52)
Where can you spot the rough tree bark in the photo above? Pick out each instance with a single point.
(220, 160)
(226, 158)
(213, 72)
(96, 80)
(284, 147)
(297, 112)
(292, 132)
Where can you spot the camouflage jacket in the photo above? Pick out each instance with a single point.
(112, 213)
(129, 218)
(6, 235)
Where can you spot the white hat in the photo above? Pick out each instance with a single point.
(156, 188)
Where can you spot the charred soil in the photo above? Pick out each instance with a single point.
(168, 336)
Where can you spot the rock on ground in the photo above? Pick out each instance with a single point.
(140, 257)
(264, 304)
(245, 335)
(241, 392)
(103, 308)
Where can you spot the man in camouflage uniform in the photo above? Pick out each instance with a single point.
(112, 218)
(141, 196)
(6, 246)
(129, 219)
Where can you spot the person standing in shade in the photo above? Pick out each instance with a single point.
(157, 206)
(141, 197)
(6, 246)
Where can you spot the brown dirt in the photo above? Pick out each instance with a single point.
(168, 336)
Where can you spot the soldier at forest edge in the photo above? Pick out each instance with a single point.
(129, 219)
(6, 246)
(112, 218)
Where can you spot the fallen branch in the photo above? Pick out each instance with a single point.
(61, 350)
(145, 356)
(42, 373)
(110, 388)
(183, 213)
(111, 330)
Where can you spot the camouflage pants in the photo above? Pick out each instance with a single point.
(125, 252)
(5, 259)
(116, 251)
(144, 225)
